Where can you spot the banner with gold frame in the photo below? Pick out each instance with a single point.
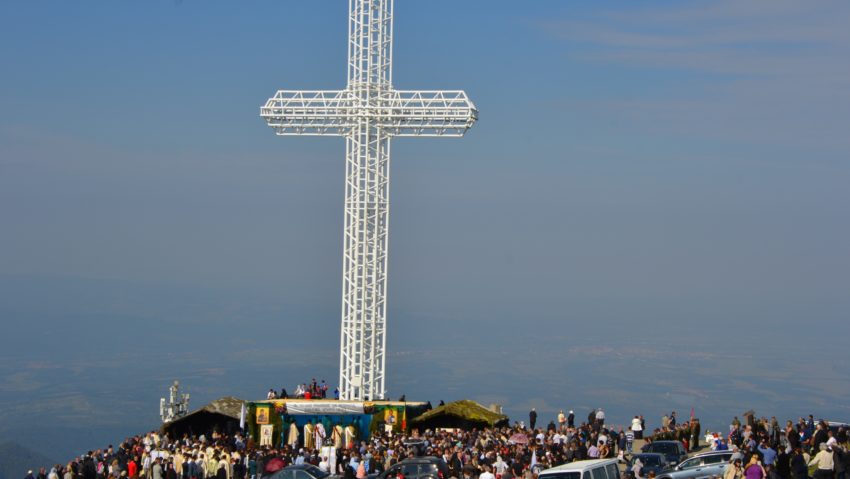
(263, 414)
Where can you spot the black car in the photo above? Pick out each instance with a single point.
(674, 451)
(301, 471)
(652, 462)
(427, 467)
(417, 445)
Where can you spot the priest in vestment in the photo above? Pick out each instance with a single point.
(292, 440)
(320, 435)
(337, 435)
(350, 436)
(309, 439)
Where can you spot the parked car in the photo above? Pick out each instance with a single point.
(301, 471)
(652, 461)
(418, 446)
(674, 451)
(707, 464)
(835, 426)
(425, 467)
(590, 469)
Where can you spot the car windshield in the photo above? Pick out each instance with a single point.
(663, 447)
(649, 459)
(316, 472)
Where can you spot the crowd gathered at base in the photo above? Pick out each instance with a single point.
(763, 450)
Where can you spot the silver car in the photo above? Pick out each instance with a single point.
(707, 464)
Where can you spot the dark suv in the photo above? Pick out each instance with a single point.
(674, 451)
(427, 467)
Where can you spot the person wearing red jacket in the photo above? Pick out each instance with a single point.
(133, 467)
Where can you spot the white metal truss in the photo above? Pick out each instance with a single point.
(337, 113)
(368, 113)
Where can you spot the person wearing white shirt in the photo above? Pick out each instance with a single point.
(500, 465)
(636, 468)
(831, 442)
(824, 462)
(602, 439)
(556, 438)
(486, 474)
(637, 428)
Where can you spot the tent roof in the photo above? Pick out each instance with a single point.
(465, 409)
(227, 406)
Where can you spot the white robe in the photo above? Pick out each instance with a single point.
(292, 440)
(350, 437)
(320, 435)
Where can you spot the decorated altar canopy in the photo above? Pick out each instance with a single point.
(364, 417)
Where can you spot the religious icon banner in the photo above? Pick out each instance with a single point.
(266, 434)
(263, 414)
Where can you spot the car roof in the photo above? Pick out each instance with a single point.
(713, 453)
(422, 459)
(292, 467)
(579, 465)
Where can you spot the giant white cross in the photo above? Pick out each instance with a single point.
(368, 113)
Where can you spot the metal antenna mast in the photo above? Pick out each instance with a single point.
(368, 113)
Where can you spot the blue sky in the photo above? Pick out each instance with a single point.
(661, 175)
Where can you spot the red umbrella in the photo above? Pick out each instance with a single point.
(519, 438)
(275, 465)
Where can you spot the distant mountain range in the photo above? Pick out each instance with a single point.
(16, 460)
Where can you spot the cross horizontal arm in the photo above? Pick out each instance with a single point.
(428, 113)
(394, 112)
(302, 112)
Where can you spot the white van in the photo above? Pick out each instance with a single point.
(590, 469)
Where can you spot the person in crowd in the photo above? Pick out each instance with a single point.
(754, 469)
(637, 428)
(823, 461)
(767, 453)
(734, 470)
(637, 469)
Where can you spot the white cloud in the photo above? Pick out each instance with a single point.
(763, 73)
(759, 38)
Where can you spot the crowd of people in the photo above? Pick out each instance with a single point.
(770, 450)
(763, 450)
(687, 432)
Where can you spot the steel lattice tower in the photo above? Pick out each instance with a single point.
(368, 113)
